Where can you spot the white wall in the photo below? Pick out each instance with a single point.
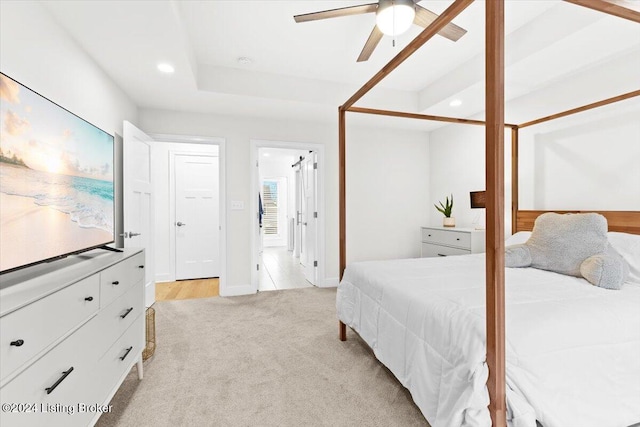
(164, 227)
(372, 152)
(38, 53)
(387, 193)
(587, 161)
(456, 164)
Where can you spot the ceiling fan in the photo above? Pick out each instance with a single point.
(393, 17)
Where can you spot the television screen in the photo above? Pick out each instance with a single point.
(56, 180)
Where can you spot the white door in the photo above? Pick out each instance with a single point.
(309, 218)
(197, 215)
(298, 222)
(138, 200)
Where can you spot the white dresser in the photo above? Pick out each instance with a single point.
(444, 241)
(70, 331)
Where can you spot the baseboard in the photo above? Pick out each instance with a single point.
(331, 282)
(165, 277)
(233, 291)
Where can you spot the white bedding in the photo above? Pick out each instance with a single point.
(573, 349)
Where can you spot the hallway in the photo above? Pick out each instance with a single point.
(280, 270)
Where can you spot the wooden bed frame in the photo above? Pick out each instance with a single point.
(494, 146)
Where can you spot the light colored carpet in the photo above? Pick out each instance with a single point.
(271, 359)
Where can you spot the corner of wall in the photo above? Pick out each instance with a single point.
(234, 291)
(331, 282)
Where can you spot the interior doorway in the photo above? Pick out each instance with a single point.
(190, 210)
(288, 233)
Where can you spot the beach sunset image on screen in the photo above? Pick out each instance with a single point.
(56, 180)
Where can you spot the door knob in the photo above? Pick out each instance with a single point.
(180, 224)
(129, 234)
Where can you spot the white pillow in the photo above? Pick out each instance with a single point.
(628, 245)
(518, 238)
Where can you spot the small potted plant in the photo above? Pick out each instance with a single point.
(445, 209)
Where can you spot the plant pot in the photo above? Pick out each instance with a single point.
(448, 222)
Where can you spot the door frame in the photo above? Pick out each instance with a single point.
(255, 145)
(203, 140)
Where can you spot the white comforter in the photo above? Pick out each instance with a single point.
(573, 350)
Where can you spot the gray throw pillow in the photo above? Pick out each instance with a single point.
(560, 243)
(574, 245)
(605, 270)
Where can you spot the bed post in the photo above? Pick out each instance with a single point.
(514, 179)
(342, 202)
(494, 98)
(342, 195)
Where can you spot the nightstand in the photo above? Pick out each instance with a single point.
(444, 241)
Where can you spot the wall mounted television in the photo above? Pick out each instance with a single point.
(56, 180)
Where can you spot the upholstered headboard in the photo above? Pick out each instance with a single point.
(622, 221)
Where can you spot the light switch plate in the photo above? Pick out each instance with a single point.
(237, 205)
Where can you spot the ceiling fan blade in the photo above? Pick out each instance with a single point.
(424, 17)
(334, 13)
(370, 45)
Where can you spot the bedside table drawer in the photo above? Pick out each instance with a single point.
(449, 238)
(430, 250)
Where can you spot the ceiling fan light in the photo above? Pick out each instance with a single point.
(394, 17)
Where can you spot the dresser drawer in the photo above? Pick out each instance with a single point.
(449, 238)
(41, 323)
(70, 378)
(119, 358)
(116, 280)
(116, 318)
(430, 250)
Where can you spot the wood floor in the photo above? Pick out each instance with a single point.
(187, 289)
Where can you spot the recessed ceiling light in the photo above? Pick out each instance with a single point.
(244, 60)
(266, 154)
(456, 103)
(166, 68)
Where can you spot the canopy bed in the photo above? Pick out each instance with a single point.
(483, 342)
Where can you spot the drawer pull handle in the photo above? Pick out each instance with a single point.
(429, 235)
(458, 238)
(57, 383)
(115, 283)
(441, 255)
(141, 266)
(126, 313)
(88, 299)
(127, 353)
(17, 343)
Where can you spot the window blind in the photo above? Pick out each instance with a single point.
(270, 206)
